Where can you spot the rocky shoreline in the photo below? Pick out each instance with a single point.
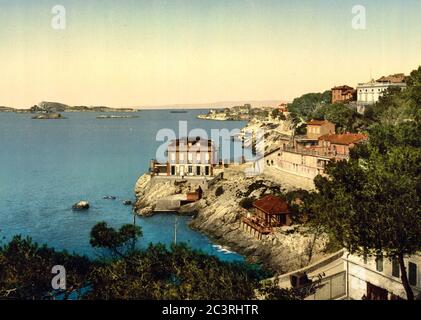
(219, 217)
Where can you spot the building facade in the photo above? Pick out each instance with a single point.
(339, 145)
(187, 157)
(379, 278)
(269, 212)
(308, 162)
(343, 94)
(370, 92)
(318, 128)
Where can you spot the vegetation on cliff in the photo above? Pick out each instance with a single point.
(370, 205)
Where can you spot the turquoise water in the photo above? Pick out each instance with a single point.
(48, 165)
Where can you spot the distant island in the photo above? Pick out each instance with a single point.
(56, 107)
(113, 116)
(48, 116)
(216, 105)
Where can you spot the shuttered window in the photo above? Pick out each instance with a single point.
(412, 274)
(379, 263)
(395, 268)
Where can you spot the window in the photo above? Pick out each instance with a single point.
(207, 170)
(412, 274)
(173, 170)
(172, 156)
(379, 263)
(181, 156)
(190, 169)
(198, 170)
(395, 268)
(190, 156)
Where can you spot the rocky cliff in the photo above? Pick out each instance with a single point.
(218, 214)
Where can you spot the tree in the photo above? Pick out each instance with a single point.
(25, 271)
(371, 204)
(270, 290)
(118, 242)
(395, 105)
(305, 105)
(178, 273)
(345, 118)
(277, 114)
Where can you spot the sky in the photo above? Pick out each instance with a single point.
(142, 53)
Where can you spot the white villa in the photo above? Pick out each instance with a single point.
(370, 92)
(187, 157)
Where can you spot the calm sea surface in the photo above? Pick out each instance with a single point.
(48, 165)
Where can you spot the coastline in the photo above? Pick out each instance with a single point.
(219, 218)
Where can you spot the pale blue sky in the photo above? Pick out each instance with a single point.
(133, 53)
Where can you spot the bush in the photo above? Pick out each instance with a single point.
(247, 203)
(219, 191)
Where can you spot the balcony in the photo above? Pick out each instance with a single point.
(257, 225)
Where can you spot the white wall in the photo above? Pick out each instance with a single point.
(359, 273)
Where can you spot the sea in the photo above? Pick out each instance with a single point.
(48, 165)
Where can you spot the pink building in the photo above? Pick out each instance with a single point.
(338, 145)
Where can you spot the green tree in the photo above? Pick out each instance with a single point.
(25, 271)
(277, 114)
(345, 118)
(305, 105)
(371, 204)
(118, 242)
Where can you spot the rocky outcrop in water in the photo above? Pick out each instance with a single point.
(148, 191)
(48, 116)
(80, 206)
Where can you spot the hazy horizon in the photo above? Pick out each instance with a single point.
(165, 53)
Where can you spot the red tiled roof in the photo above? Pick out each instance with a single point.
(271, 205)
(345, 139)
(394, 78)
(344, 87)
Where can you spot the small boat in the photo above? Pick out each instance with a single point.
(109, 197)
(116, 117)
(178, 111)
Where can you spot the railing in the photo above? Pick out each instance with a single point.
(328, 288)
(257, 225)
(315, 152)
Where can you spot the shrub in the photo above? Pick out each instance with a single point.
(219, 191)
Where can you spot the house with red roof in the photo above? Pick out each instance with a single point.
(268, 213)
(318, 128)
(272, 211)
(338, 145)
(343, 94)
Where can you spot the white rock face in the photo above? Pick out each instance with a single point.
(148, 192)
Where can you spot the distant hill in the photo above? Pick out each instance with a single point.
(6, 109)
(219, 104)
(56, 107)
